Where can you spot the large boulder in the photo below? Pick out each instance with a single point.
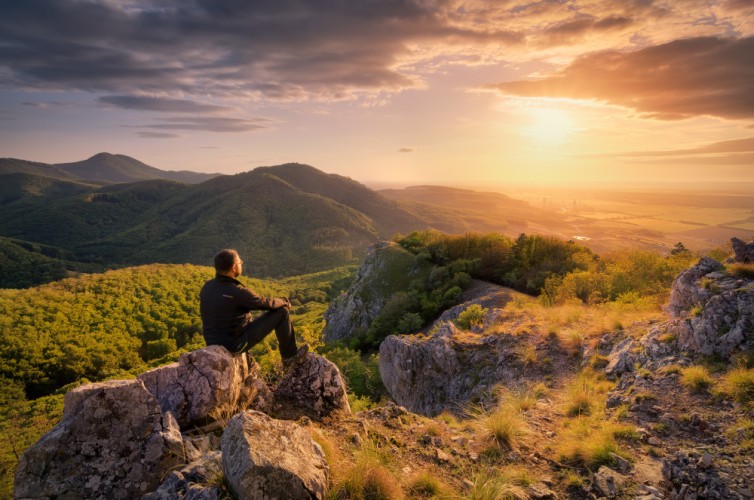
(315, 383)
(113, 442)
(387, 267)
(206, 382)
(446, 370)
(267, 458)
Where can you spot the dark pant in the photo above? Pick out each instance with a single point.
(253, 333)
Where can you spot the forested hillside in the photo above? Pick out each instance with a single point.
(116, 324)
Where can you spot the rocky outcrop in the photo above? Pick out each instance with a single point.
(267, 458)
(205, 382)
(714, 311)
(687, 292)
(113, 442)
(743, 252)
(387, 268)
(120, 439)
(314, 383)
(487, 295)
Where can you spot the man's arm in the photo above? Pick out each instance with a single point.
(250, 299)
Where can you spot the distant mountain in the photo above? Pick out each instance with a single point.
(121, 168)
(285, 220)
(478, 210)
(16, 166)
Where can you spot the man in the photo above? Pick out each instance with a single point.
(225, 306)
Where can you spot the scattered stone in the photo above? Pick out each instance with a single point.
(540, 491)
(441, 456)
(620, 463)
(263, 457)
(113, 442)
(706, 461)
(314, 383)
(621, 359)
(608, 482)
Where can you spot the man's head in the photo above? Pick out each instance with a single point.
(228, 263)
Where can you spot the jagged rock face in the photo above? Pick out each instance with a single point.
(112, 443)
(744, 252)
(206, 381)
(686, 291)
(714, 311)
(314, 383)
(387, 267)
(267, 458)
(725, 325)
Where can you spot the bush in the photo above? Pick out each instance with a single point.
(472, 316)
(368, 479)
(696, 378)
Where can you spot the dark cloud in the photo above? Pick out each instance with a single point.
(147, 103)
(685, 78)
(158, 135)
(209, 124)
(280, 49)
(406, 150)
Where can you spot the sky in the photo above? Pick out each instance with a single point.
(388, 92)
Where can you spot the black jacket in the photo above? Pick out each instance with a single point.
(225, 304)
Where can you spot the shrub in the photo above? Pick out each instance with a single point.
(739, 385)
(696, 378)
(472, 316)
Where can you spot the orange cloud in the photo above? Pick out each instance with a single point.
(680, 79)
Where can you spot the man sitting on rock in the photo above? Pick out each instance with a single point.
(226, 306)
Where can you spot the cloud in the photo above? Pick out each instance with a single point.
(148, 103)
(311, 50)
(733, 147)
(680, 79)
(209, 124)
(406, 150)
(158, 135)
(52, 104)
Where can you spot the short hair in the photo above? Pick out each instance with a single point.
(225, 259)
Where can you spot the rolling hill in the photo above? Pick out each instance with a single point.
(285, 220)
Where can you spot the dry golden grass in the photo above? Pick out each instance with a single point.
(739, 385)
(494, 486)
(590, 441)
(367, 478)
(696, 378)
(585, 394)
(426, 484)
(742, 270)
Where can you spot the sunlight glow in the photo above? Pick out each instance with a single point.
(549, 126)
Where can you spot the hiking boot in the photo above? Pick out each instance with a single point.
(300, 354)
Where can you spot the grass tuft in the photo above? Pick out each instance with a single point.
(739, 385)
(427, 485)
(742, 270)
(368, 478)
(491, 486)
(696, 378)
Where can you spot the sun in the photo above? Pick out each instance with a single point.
(548, 126)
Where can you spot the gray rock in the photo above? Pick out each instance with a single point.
(113, 442)
(540, 491)
(207, 382)
(192, 482)
(686, 291)
(267, 458)
(608, 482)
(744, 252)
(621, 359)
(314, 383)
